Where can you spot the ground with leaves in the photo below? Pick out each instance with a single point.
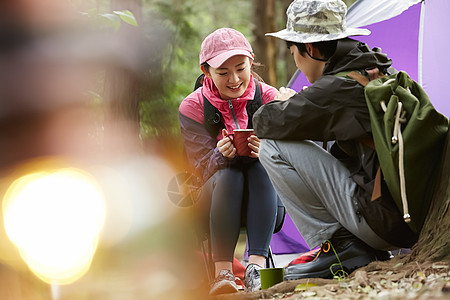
(392, 279)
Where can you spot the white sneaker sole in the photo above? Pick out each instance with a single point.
(224, 288)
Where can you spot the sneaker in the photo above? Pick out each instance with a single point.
(336, 257)
(225, 283)
(252, 278)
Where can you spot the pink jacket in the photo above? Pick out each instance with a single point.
(192, 105)
(200, 147)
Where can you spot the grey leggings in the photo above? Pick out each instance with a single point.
(236, 197)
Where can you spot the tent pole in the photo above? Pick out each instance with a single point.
(420, 52)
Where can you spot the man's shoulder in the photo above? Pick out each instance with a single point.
(329, 85)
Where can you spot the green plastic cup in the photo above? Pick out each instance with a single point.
(270, 277)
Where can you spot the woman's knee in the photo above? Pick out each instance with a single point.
(228, 188)
(229, 176)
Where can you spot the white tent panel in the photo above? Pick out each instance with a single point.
(366, 12)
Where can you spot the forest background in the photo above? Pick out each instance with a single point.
(178, 27)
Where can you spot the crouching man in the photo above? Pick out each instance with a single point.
(328, 194)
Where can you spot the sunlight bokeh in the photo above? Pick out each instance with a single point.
(55, 219)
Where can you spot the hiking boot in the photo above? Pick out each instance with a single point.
(252, 278)
(225, 283)
(338, 256)
(383, 255)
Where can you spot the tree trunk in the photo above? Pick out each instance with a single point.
(122, 86)
(264, 47)
(290, 64)
(433, 244)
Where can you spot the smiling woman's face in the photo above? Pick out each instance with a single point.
(232, 77)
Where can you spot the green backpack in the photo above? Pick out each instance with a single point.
(408, 135)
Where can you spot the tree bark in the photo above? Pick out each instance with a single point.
(433, 244)
(290, 64)
(264, 47)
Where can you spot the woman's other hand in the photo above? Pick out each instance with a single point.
(253, 143)
(225, 145)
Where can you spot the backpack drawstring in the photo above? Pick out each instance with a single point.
(397, 137)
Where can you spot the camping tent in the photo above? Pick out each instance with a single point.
(413, 35)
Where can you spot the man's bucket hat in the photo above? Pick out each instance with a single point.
(310, 21)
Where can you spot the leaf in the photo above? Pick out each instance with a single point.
(110, 17)
(126, 16)
(417, 285)
(398, 265)
(304, 286)
(367, 289)
(113, 20)
(435, 266)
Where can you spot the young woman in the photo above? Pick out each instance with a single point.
(236, 188)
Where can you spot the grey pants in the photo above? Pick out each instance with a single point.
(317, 191)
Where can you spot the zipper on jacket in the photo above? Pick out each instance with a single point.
(230, 105)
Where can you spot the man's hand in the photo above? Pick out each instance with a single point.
(285, 93)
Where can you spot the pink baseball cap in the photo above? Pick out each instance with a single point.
(222, 44)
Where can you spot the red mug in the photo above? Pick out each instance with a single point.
(239, 138)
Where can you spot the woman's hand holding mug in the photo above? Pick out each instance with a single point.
(225, 145)
(242, 142)
(254, 142)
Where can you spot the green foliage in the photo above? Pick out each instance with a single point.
(126, 16)
(110, 20)
(187, 23)
(175, 65)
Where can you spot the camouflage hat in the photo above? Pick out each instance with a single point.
(310, 21)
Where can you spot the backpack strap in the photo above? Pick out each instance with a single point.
(199, 81)
(214, 119)
(360, 78)
(252, 106)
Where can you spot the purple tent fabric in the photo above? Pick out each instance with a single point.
(298, 81)
(435, 61)
(398, 38)
(288, 239)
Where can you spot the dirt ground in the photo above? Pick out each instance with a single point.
(150, 279)
(156, 266)
(379, 280)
